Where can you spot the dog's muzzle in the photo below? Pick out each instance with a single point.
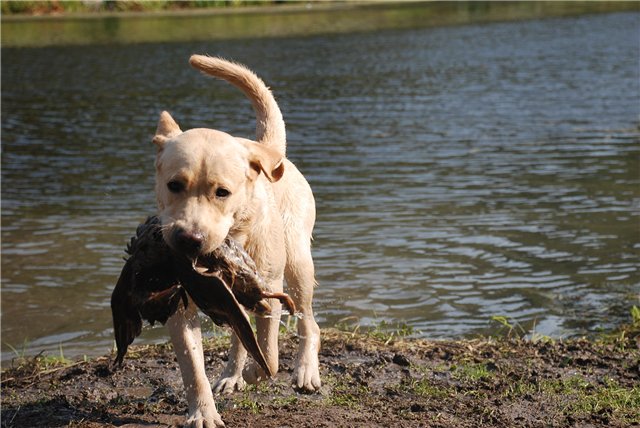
(188, 243)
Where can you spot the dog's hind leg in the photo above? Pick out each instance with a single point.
(231, 378)
(184, 328)
(267, 332)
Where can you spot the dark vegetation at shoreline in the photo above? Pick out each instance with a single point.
(62, 7)
(60, 23)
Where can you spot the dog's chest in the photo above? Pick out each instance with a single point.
(268, 256)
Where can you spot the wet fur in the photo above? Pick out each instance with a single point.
(270, 211)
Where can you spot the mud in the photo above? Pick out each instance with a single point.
(370, 380)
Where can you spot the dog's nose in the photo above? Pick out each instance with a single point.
(189, 242)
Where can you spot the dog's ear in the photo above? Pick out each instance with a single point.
(167, 128)
(265, 160)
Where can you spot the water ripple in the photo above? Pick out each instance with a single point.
(460, 173)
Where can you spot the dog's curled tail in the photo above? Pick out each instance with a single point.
(270, 125)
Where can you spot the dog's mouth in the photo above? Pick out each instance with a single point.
(204, 264)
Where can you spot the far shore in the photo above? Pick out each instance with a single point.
(267, 8)
(272, 21)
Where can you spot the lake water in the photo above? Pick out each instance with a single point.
(459, 172)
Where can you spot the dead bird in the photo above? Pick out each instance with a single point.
(155, 281)
(231, 263)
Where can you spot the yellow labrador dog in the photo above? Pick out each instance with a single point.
(210, 185)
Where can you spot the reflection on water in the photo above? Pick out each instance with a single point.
(460, 172)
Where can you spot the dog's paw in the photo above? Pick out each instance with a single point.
(206, 417)
(253, 373)
(229, 384)
(306, 376)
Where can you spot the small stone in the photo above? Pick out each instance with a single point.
(415, 407)
(401, 360)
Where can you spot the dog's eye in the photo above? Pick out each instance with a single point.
(175, 186)
(222, 193)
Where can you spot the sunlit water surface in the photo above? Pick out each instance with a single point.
(459, 173)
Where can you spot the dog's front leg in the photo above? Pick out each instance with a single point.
(184, 328)
(301, 281)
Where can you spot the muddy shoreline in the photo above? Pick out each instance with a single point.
(368, 380)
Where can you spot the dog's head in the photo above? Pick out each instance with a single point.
(205, 180)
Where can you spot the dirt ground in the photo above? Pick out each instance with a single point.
(370, 380)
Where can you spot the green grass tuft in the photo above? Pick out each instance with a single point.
(471, 372)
